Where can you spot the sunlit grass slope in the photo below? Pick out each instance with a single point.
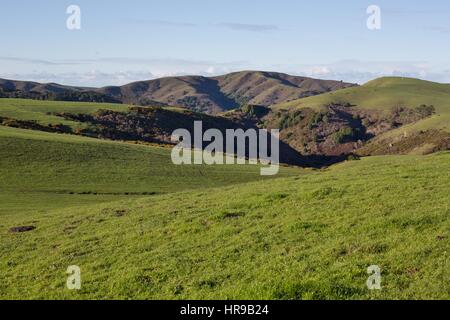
(45, 169)
(383, 94)
(42, 111)
(304, 237)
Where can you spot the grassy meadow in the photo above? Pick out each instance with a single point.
(140, 227)
(42, 111)
(309, 236)
(40, 170)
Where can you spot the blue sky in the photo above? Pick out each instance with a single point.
(123, 41)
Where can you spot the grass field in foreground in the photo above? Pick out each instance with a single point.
(40, 170)
(304, 237)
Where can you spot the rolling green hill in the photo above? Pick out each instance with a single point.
(42, 111)
(39, 170)
(383, 94)
(389, 110)
(153, 124)
(301, 237)
(141, 227)
(385, 116)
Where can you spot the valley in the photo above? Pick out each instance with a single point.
(363, 181)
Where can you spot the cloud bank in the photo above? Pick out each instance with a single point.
(121, 70)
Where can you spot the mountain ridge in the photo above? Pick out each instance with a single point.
(198, 93)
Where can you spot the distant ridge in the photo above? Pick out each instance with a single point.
(204, 94)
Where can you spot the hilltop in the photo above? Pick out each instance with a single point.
(382, 94)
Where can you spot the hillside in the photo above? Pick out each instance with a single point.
(48, 169)
(123, 122)
(44, 112)
(309, 137)
(31, 86)
(204, 94)
(305, 237)
(140, 227)
(50, 91)
(382, 94)
(384, 116)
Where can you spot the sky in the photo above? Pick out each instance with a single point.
(124, 41)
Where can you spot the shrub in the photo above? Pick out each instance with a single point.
(344, 135)
(425, 110)
(290, 119)
(316, 119)
(254, 110)
(353, 157)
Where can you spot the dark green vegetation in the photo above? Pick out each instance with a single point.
(342, 129)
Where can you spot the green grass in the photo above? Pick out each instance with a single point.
(141, 227)
(303, 237)
(25, 109)
(40, 170)
(383, 94)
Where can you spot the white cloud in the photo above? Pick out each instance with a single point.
(93, 78)
(109, 70)
(320, 70)
(119, 70)
(357, 71)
